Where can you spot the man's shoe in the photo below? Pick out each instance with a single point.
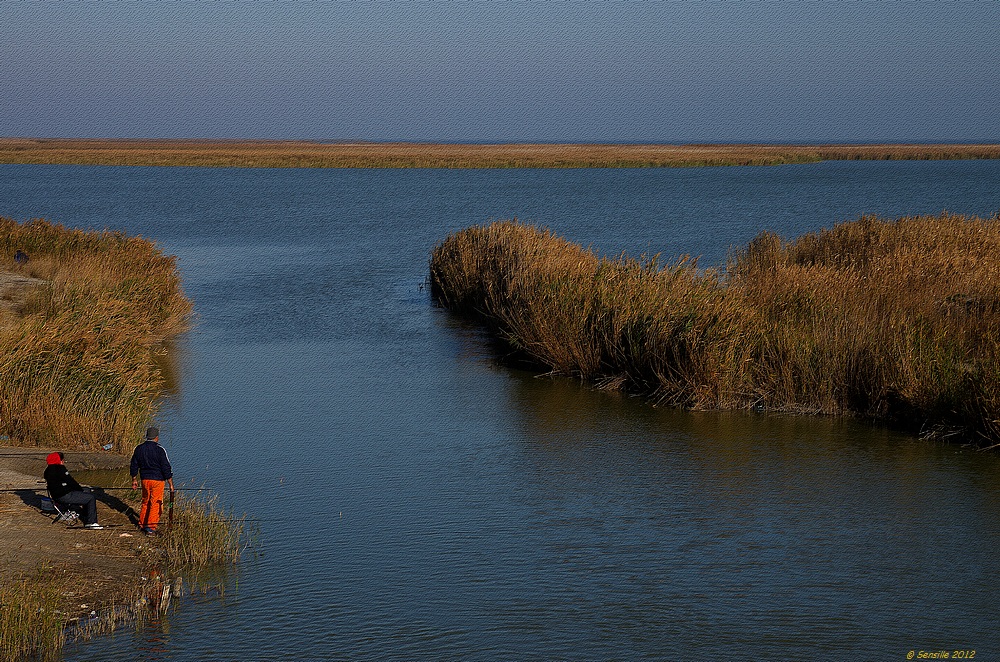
(93, 527)
(149, 532)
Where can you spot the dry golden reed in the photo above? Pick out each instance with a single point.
(201, 533)
(31, 625)
(77, 354)
(890, 319)
(37, 614)
(307, 154)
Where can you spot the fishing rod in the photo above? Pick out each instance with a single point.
(44, 453)
(176, 489)
(233, 519)
(37, 454)
(98, 487)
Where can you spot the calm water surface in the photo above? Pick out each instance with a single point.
(419, 502)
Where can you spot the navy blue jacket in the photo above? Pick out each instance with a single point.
(150, 461)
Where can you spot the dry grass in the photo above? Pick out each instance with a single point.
(31, 625)
(35, 623)
(37, 618)
(894, 320)
(77, 356)
(202, 534)
(199, 533)
(305, 154)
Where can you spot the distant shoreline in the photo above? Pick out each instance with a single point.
(316, 154)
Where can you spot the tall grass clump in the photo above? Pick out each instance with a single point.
(201, 533)
(36, 622)
(31, 624)
(77, 353)
(888, 319)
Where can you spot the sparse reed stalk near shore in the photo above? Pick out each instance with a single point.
(889, 319)
(201, 534)
(31, 625)
(77, 355)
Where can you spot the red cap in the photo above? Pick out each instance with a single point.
(53, 458)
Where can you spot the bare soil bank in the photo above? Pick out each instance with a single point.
(15, 288)
(306, 154)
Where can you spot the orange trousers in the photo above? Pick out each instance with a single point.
(152, 503)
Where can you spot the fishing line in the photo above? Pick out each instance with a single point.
(115, 489)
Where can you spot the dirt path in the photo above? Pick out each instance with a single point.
(15, 288)
(94, 566)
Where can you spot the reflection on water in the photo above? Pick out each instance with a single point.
(152, 640)
(171, 359)
(419, 502)
(810, 534)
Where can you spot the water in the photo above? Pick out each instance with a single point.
(420, 502)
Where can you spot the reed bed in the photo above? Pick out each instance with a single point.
(201, 533)
(196, 532)
(306, 154)
(31, 625)
(81, 366)
(78, 364)
(895, 320)
(36, 623)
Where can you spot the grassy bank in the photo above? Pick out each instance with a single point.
(78, 347)
(305, 154)
(890, 319)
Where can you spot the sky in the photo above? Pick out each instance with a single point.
(542, 71)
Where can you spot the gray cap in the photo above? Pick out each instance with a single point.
(152, 433)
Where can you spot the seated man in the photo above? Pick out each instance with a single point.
(65, 490)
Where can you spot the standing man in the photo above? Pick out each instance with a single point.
(150, 461)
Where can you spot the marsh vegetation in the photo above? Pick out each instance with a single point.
(307, 154)
(894, 320)
(79, 345)
(198, 548)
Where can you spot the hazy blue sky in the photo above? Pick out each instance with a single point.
(502, 71)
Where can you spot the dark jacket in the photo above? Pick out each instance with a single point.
(150, 461)
(59, 482)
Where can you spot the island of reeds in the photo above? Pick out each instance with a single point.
(313, 154)
(84, 318)
(895, 320)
